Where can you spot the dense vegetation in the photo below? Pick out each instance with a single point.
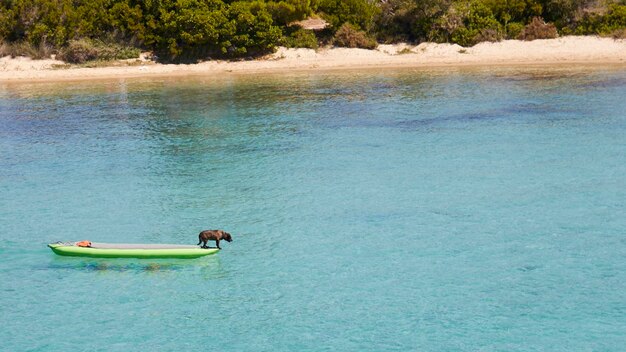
(81, 30)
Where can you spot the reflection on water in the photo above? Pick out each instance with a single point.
(210, 266)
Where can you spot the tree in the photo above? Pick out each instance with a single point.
(360, 13)
(251, 30)
(191, 27)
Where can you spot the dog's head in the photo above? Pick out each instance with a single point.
(227, 237)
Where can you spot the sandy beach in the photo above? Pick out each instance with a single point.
(565, 50)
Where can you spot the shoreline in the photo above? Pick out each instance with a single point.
(574, 51)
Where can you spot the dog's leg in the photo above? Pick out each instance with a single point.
(199, 239)
(217, 242)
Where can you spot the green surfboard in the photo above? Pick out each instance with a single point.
(127, 250)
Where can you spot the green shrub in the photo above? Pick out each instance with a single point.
(199, 29)
(284, 12)
(349, 36)
(301, 38)
(479, 24)
(360, 13)
(538, 29)
(488, 35)
(190, 28)
(564, 12)
(513, 30)
(448, 23)
(79, 51)
(112, 51)
(613, 21)
(83, 50)
(410, 20)
(129, 22)
(251, 30)
(507, 11)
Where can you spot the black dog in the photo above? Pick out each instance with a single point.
(213, 235)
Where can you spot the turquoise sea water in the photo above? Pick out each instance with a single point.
(442, 210)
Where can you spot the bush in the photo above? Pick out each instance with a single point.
(41, 51)
(612, 23)
(110, 51)
(507, 11)
(284, 12)
(301, 38)
(538, 29)
(619, 34)
(360, 13)
(349, 36)
(615, 19)
(565, 12)
(478, 25)
(488, 35)
(79, 51)
(199, 29)
(410, 20)
(448, 24)
(251, 30)
(513, 30)
(83, 50)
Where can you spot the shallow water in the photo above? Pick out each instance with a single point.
(443, 210)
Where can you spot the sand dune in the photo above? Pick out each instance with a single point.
(565, 50)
